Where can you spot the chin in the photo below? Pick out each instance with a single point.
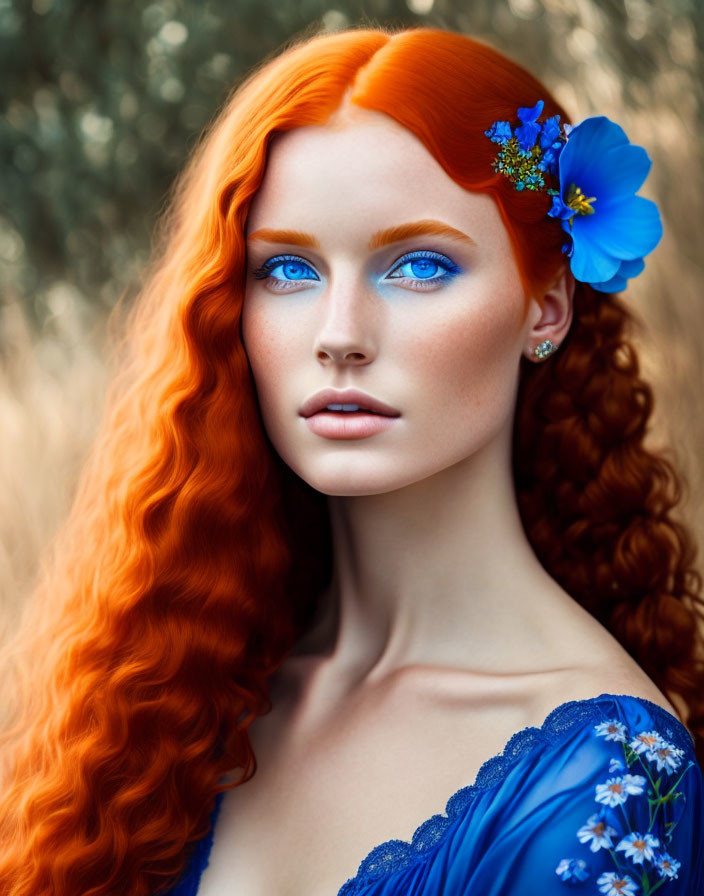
(345, 482)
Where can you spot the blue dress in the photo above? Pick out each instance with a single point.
(605, 797)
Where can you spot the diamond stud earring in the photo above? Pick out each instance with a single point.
(545, 349)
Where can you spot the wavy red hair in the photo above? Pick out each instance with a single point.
(192, 558)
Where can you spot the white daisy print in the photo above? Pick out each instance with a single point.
(646, 851)
(638, 846)
(646, 740)
(612, 884)
(612, 729)
(612, 793)
(598, 831)
(633, 784)
(666, 756)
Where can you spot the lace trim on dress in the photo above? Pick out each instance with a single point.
(393, 855)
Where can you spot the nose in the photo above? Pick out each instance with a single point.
(346, 332)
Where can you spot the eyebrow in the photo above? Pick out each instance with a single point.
(377, 240)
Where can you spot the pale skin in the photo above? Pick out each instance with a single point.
(442, 635)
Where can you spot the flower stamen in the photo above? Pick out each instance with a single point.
(578, 201)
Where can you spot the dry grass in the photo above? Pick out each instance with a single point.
(51, 391)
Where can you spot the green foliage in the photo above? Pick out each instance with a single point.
(102, 103)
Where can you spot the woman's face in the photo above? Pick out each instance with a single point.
(430, 323)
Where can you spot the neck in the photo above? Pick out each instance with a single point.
(438, 574)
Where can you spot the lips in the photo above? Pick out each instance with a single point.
(320, 400)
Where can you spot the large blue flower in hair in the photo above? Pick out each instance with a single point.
(611, 228)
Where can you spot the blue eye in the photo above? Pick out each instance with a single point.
(293, 270)
(422, 269)
(422, 266)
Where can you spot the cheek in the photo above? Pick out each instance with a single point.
(468, 366)
(265, 344)
(278, 348)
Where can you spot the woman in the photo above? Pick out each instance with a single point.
(477, 584)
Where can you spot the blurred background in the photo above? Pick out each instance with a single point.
(101, 104)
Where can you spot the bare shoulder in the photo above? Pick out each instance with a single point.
(600, 664)
(619, 675)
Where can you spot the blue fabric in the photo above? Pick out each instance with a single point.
(579, 804)
(190, 879)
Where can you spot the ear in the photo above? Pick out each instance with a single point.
(553, 320)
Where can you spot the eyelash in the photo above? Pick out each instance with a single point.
(263, 272)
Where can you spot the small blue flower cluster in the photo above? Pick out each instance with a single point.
(607, 830)
(610, 229)
(520, 159)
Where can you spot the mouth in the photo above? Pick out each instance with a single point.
(347, 403)
(359, 423)
(362, 412)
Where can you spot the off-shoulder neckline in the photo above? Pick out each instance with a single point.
(392, 855)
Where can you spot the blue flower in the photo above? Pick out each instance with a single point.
(550, 131)
(611, 228)
(665, 864)
(529, 130)
(550, 159)
(499, 132)
(572, 871)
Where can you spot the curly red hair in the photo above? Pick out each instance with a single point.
(192, 558)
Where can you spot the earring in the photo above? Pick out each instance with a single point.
(545, 349)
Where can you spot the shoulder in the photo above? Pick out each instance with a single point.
(594, 661)
(618, 802)
(607, 682)
(618, 673)
(618, 731)
(604, 667)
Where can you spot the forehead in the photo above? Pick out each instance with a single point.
(363, 171)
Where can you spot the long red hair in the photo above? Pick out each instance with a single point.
(192, 558)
